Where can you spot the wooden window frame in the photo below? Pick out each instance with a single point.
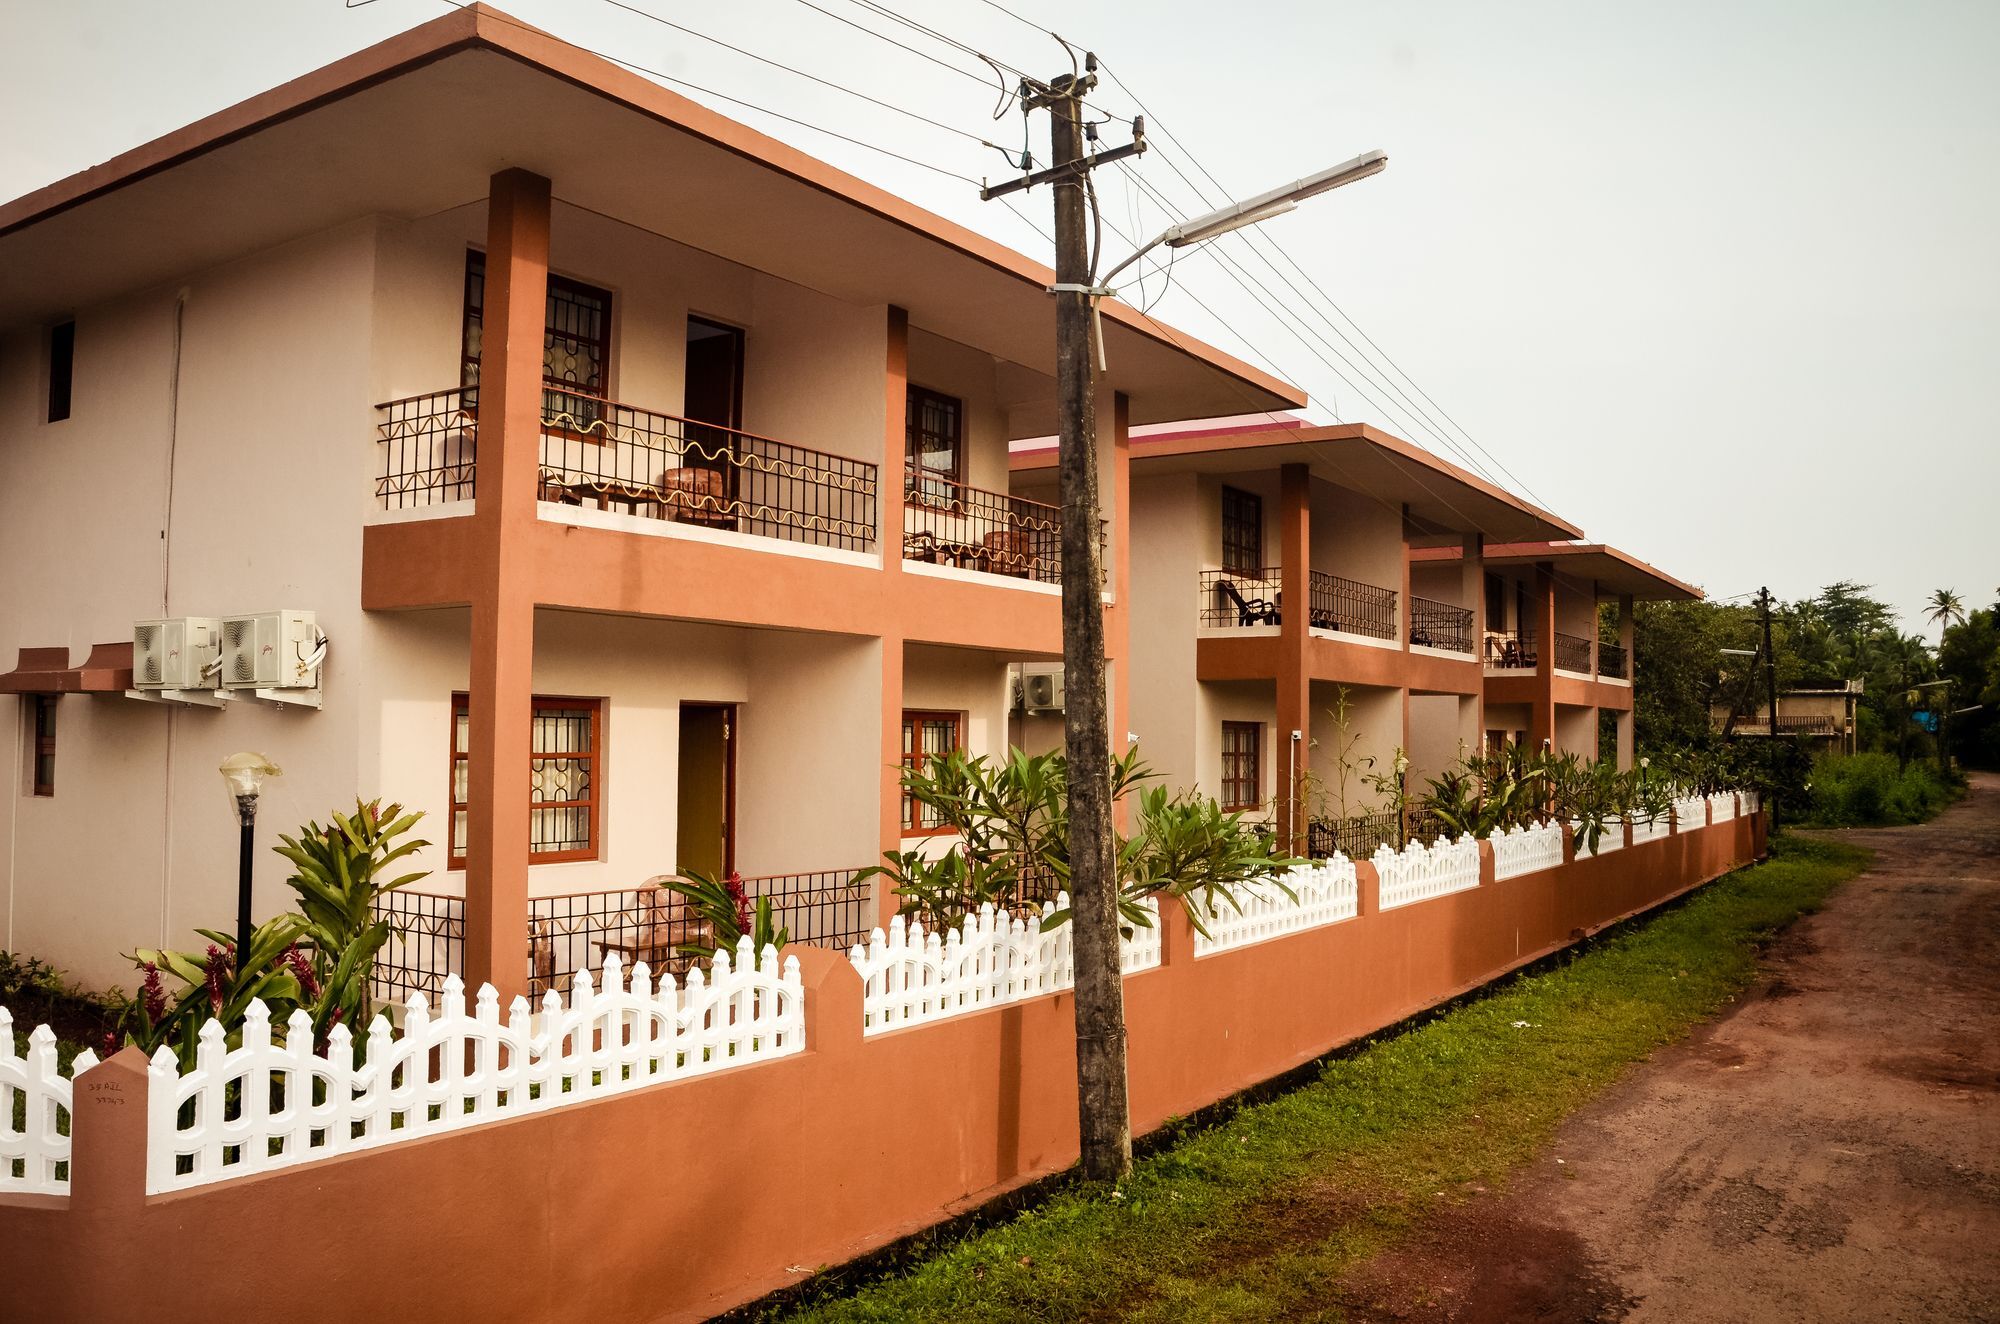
(915, 473)
(461, 706)
(913, 720)
(1248, 512)
(468, 363)
(1232, 781)
(41, 721)
(61, 384)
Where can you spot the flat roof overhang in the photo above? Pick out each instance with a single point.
(1615, 573)
(418, 124)
(1443, 500)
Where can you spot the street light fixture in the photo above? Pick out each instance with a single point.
(1263, 207)
(243, 774)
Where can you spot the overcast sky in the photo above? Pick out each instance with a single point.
(1718, 281)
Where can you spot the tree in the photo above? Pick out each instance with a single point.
(1946, 609)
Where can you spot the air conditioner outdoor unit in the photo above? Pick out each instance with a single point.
(1045, 691)
(175, 654)
(271, 650)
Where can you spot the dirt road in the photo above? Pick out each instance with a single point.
(1828, 1151)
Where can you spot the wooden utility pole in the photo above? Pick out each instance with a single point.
(1103, 1107)
(1770, 661)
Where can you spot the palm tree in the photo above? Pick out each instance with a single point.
(1946, 607)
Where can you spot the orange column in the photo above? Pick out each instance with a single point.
(889, 499)
(1118, 621)
(1294, 680)
(1472, 591)
(1542, 712)
(503, 608)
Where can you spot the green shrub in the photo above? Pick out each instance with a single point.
(1869, 790)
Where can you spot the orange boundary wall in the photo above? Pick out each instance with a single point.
(683, 1199)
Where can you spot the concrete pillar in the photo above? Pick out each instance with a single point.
(1294, 706)
(503, 609)
(1624, 725)
(1542, 711)
(889, 501)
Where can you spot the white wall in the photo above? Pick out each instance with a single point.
(1166, 560)
(1373, 733)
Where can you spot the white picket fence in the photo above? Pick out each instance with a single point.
(1519, 850)
(1722, 807)
(1645, 829)
(34, 1157)
(265, 1105)
(1609, 838)
(1419, 872)
(1324, 892)
(910, 975)
(1749, 802)
(1690, 812)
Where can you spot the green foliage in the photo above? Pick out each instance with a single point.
(1207, 1228)
(337, 872)
(27, 979)
(1969, 657)
(1009, 824)
(726, 913)
(1869, 790)
(318, 958)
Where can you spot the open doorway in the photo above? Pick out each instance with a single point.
(705, 832)
(714, 391)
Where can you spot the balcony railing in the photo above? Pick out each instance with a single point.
(1572, 653)
(1357, 837)
(574, 932)
(946, 522)
(428, 448)
(1353, 607)
(1816, 724)
(616, 456)
(1239, 597)
(1440, 625)
(1511, 650)
(1611, 661)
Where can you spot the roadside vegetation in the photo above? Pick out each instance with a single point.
(1257, 1216)
(1869, 790)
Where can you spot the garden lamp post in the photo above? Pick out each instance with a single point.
(244, 776)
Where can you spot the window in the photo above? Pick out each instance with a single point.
(563, 781)
(1242, 765)
(41, 731)
(62, 369)
(934, 454)
(1242, 532)
(925, 735)
(576, 343)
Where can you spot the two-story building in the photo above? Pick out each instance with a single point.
(647, 479)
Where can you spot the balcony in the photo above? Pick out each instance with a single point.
(949, 523)
(1440, 625)
(1234, 598)
(1573, 653)
(1511, 650)
(575, 931)
(1612, 662)
(639, 462)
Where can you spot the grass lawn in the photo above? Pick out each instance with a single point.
(1256, 1217)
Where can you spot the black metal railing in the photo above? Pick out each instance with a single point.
(946, 522)
(575, 931)
(426, 943)
(1572, 653)
(1611, 660)
(612, 455)
(1239, 597)
(1511, 650)
(651, 924)
(1359, 835)
(1440, 625)
(1352, 607)
(428, 447)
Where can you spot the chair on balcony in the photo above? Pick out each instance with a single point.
(1249, 611)
(692, 494)
(1008, 552)
(661, 924)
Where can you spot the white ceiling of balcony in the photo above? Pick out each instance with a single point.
(409, 139)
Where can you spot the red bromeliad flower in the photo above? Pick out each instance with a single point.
(734, 886)
(219, 962)
(295, 961)
(151, 996)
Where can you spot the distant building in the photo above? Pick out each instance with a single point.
(1823, 715)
